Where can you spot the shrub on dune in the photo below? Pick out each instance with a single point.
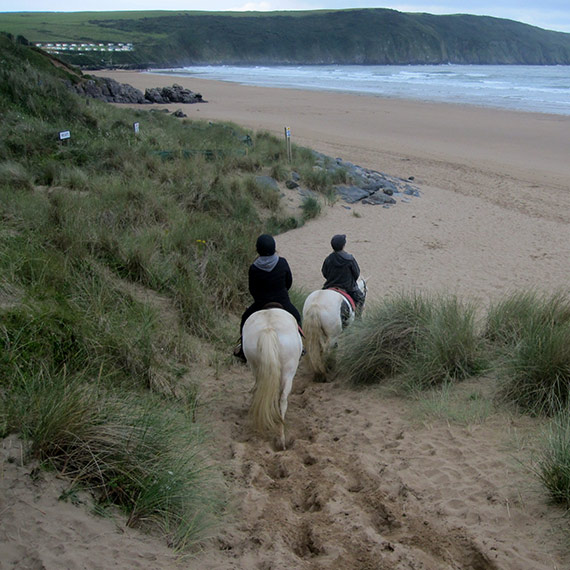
(376, 347)
(535, 374)
(508, 318)
(15, 175)
(531, 333)
(448, 349)
(136, 452)
(425, 340)
(311, 208)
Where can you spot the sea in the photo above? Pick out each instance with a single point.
(537, 89)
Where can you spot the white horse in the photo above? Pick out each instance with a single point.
(326, 313)
(272, 345)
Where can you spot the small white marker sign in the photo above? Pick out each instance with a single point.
(63, 135)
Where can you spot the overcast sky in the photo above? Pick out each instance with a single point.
(548, 14)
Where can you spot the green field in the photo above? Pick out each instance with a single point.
(69, 26)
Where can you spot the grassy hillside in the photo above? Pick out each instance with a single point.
(360, 36)
(123, 262)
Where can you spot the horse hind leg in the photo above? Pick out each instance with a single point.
(345, 315)
(283, 403)
(319, 377)
(283, 442)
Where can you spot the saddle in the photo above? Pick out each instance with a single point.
(345, 307)
(275, 305)
(345, 295)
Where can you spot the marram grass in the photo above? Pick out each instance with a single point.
(553, 466)
(535, 374)
(508, 317)
(311, 208)
(532, 334)
(425, 340)
(119, 253)
(136, 452)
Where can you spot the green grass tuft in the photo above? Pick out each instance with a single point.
(535, 374)
(311, 208)
(425, 340)
(553, 467)
(531, 333)
(509, 317)
(133, 451)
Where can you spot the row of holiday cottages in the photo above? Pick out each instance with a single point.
(57, 47)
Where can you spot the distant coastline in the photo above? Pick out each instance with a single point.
(360, 36)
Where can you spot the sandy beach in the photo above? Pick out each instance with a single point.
(495, 208)
(368, 482)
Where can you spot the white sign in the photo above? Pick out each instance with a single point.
(136, 127)
(64, 135)
(288, 132)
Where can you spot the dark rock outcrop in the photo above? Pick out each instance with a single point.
(367, 186)
(362, 185)
(174, 94)
(378, 198)
(352, 194)
(267, 181)
(111, 91)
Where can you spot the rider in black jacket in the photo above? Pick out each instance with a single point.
(270, 279)
(341, 270)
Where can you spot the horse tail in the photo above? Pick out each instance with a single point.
(315, 340)
(265, 410)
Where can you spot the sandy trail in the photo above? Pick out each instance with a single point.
(364, 485)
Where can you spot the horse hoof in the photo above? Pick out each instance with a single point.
(279, 444)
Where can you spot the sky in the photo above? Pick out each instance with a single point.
(547, 14)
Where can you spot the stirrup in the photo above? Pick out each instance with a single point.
(238, 352)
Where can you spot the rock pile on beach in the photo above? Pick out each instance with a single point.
(174, 94)
(111, 91)
(366, 186)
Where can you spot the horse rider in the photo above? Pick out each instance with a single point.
(270, 279)
(341, 271)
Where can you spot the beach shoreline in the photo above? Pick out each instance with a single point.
(530, 147)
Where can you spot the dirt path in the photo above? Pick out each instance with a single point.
(363, 486)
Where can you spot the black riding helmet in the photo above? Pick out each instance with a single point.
(265, 245)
